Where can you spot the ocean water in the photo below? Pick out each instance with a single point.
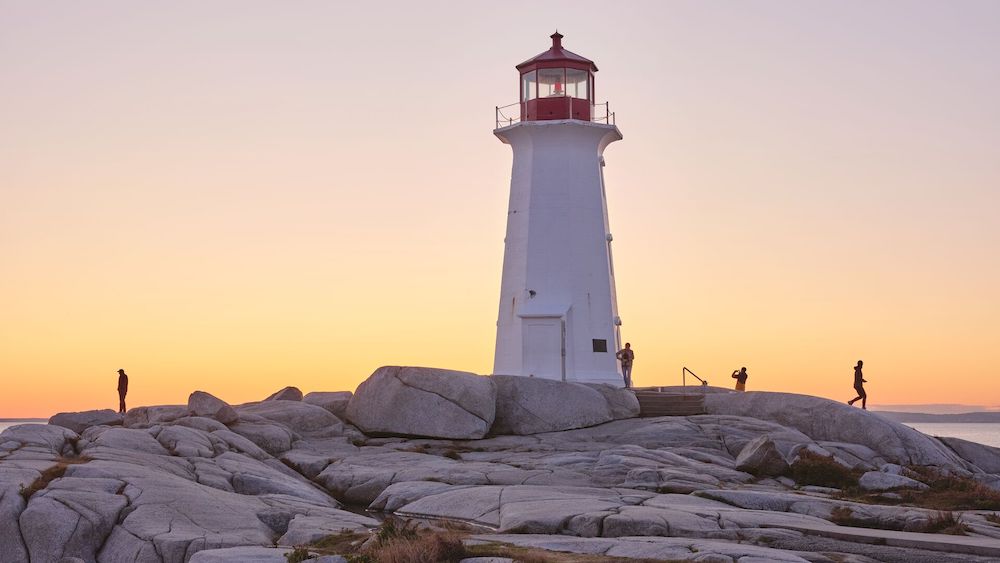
(983, 432)
(6, 425)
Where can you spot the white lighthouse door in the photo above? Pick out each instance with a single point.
(544, 348)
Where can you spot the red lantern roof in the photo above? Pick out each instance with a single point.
(556, 56)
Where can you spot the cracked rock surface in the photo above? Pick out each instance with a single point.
(176, 484)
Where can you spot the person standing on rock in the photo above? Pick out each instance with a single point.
(626, 356)
(741, 376)
(859, 382)
(122, 390)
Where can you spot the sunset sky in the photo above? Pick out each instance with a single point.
(235, 196)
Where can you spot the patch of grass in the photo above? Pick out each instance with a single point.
(298, 555)
(397, 541)
(535, 555)
(51, 474)
(945, 522)
(951, 492)
(844, 516)
(396, 529)
(452, 454)
(992, 518)
(345, 542)
(811, 468)
(424, 548)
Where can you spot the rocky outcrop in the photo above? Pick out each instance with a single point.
(191, 488)
(144, 417)
(80, 421)
(206, 405)
(984, 457)
(761, 457)
(881, 481)
(286, 394)
(296, 416)
(531, 405)
(413, 401)
(335, 402)
(622, 402)
(826, 420)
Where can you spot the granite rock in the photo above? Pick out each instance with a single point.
(532, 405)
(204, 404)
(413, 401)
(80, 421)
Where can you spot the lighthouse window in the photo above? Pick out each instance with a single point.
(576, 83)
(551, 82)
(529, 86)
(600, 345)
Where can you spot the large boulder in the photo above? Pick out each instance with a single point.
(335, 402)
(204, 404)
(761, 457)
(881, 481)
(825, 420)
(531, 405)
(415, 401)
(286, 394)
(623, 402)
(80, 421)
(297, 416)
(984, 457)
(144, 417)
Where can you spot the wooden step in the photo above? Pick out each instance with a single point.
(654, 403)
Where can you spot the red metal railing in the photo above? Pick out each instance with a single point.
(503, 119)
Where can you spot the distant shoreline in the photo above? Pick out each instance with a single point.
(23, 419)
(969, 417)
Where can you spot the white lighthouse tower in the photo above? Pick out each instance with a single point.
(558, 314)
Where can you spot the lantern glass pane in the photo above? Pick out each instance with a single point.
(551, 82)
(576, 83)
(529, 86)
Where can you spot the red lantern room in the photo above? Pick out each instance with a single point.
(557, 84)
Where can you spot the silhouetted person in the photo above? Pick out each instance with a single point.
(741, 376)
(859, 382)
(626, 355)
(122, 390)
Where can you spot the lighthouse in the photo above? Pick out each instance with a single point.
(558, 315)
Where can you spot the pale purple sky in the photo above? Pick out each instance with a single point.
(246, 189)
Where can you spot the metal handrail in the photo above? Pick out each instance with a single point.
(685, 371)
(503, 120)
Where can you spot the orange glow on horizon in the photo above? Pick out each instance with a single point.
(240, 207)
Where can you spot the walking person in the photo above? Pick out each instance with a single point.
(859, 382)
(122, 390)
(626, 356)
(740, 376)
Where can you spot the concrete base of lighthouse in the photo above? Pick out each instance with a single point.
(558, 314)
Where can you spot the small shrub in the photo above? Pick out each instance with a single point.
(345, 542)
(944, 522)
(842, 516)
(396, 529)
(951, 492)
(427, 548)
(814, 469)
(298, 555)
